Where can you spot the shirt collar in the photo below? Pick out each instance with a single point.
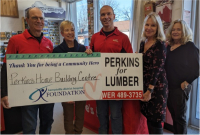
(28, 35)
(65, 47)
(116, 31)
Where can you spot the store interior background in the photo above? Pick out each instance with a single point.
(130, 27)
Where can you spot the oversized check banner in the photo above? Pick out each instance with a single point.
(60, 77)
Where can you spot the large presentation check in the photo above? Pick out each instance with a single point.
(59, 77)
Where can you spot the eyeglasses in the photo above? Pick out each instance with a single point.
(104, 14)
(36, 18)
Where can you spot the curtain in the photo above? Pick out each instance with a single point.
(136, 23)
(71, 15)
(195, 21)
(194, 24)
(198, 22)
(96, 15)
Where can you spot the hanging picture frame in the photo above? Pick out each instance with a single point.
(9, 8)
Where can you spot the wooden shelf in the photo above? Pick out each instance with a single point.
(4, 40)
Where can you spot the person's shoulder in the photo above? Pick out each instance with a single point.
(96, 34)
(15, 40)
(142, 43)
(82, 48)
(57, 49)
(48, 42)
(160, 44)
(44, 38)
(168, 47)
(191, 45)
(18, 37)
(122, 34)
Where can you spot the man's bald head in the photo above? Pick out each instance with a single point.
(107, 6)
(32, 9)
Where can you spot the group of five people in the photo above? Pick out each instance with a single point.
(167, 72)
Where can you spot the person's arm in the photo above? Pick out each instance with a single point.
(158, 63)
(193, 65)
(126, 45)
(51, 47)
(141, 47)
(91, 46)
(4, 92)
(11, 49)
(92, 43)
(88, 51)
(82, 48)
(54, 51)
(147, 94)
(4, 81)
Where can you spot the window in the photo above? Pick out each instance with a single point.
(194, 113)
(82, 22)
(122, 10)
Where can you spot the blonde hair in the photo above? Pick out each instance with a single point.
(186, 32)
(156, 19)
(64, 23)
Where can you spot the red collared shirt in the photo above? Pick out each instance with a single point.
(25, 43)
(113, 43)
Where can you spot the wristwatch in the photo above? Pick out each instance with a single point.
(151, 90)
(185, 85)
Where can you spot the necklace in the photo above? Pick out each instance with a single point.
(174, 47)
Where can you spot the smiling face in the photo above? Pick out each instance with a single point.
(107, 16)
(176, 32)
(35, 20)
(150, 28)
(68, 33)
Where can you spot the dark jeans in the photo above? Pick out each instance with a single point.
(177, 105)
(103, 116)
(68, 109)
(29, 118)
(154, 127)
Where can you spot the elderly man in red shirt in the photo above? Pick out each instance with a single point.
(30, 41)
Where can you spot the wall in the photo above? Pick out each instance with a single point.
(15, 24)
(188, 5)
(177, 8)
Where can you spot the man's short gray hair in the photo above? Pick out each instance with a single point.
(28, 11)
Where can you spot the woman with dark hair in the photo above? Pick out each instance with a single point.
(182, 67)
(153, 105)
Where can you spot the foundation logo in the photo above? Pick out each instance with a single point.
(41, 92)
